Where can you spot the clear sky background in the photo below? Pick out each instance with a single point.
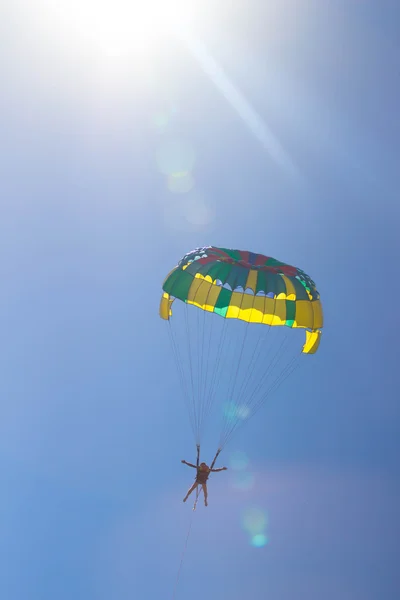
(282, 119)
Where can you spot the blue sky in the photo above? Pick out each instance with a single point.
(284, 117)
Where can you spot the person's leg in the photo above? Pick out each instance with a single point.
(204, 485)
(190, 490)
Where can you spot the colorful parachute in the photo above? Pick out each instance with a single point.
(236, 363)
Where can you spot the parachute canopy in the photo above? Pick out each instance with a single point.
(241, 359)
(251, 287)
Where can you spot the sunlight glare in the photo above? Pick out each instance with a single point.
(119, 26)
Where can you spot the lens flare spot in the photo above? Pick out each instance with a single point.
(197, 212)
(161, 122)
(180, 183)
(243, 480)
(234, 412)
(254, 521)
(175, 156)
(188, 212)
(259, 541)
(238, 461)
(163, 118)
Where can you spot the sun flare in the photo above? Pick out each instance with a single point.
(116, 26)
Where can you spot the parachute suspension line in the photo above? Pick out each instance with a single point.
(254, 401)
(289, 369)
(270, 367)
(199, 363)
(233, 408)
(201, 376)
(181, 375)
(239, 362)
(292, 366)
(215, 458)
(196, 425)
(195, 334)
(273, 387)
(262, 339)
(213, 383)
(207, 361)
(245, 367)
(282, 375)
(199, 366)
(182, 557)
(206, 402)
(271, 390)
(253, 361)
(198, 455)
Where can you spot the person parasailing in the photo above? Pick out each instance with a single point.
(202, 474)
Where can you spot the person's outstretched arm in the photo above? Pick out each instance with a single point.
(217, 470)
(188, 464)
